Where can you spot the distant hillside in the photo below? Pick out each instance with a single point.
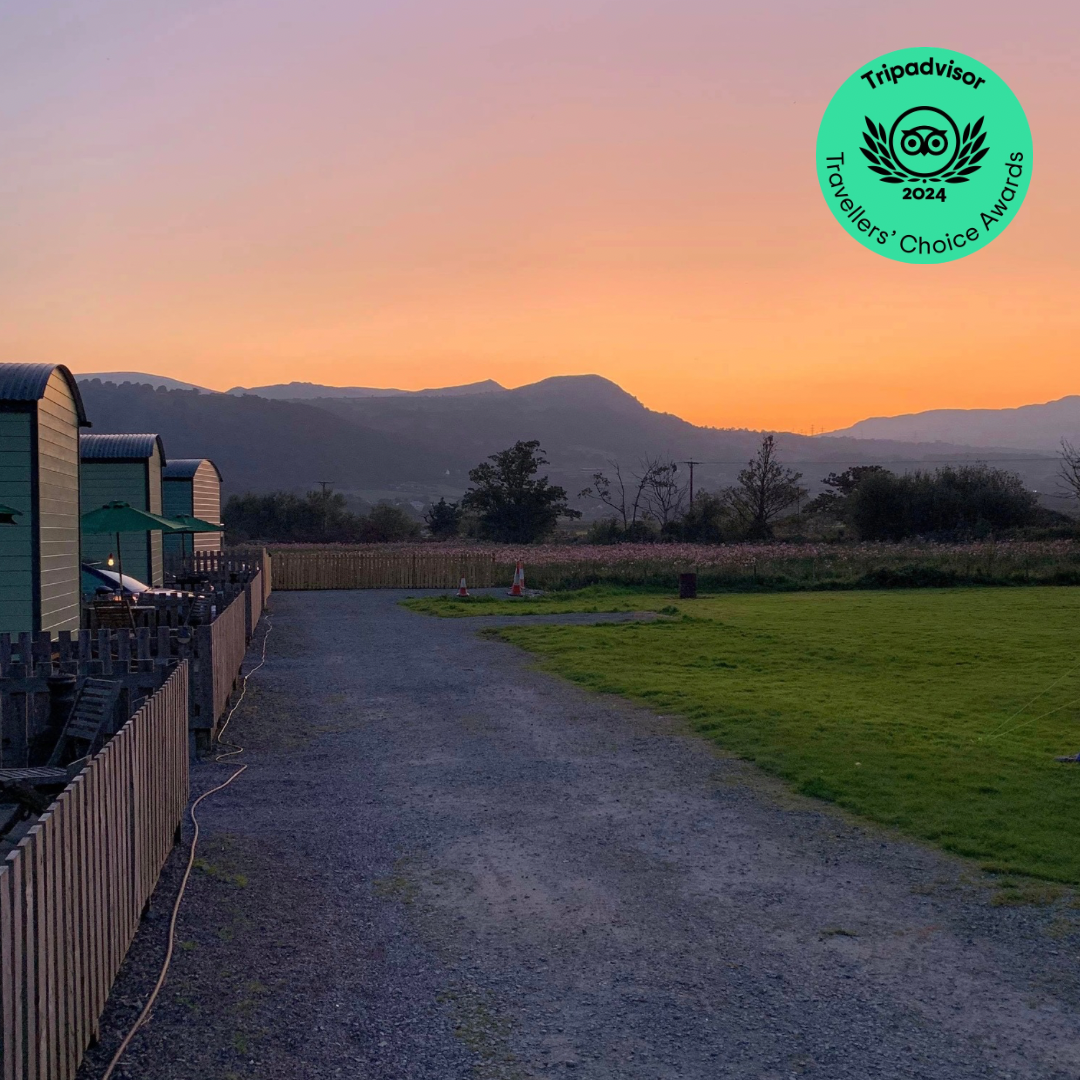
(141, 378)
(260, 445)
(418, 447)
(305, 391)
(585, 420)
(1029, 427)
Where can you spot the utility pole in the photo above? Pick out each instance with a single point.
(325, 485)
(692, 464)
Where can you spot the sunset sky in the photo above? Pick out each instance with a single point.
(425, 192)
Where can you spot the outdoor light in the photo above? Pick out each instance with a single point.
(110, 561)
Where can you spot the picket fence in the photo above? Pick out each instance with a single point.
(355, 568)
(74, 888)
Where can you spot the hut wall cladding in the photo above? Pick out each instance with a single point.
(198, 495)
(58, 506)
(73, 890)
(329, 569)
(137, 483)
(206, 501)
(16, 543)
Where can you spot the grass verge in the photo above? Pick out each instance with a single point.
(591, 600)
(911, 708)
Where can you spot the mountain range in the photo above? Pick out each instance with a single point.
(1029, 427)
(417, 445)
(305, 391)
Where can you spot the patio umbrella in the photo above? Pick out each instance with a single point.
(8, 514)
(193, 525)
(121, 517)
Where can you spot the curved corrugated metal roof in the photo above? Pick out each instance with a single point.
(185, 468)
(119, 447)
(27, 382)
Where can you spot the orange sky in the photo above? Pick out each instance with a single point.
(418, 193)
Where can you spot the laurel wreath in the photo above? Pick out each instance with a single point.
(891, 171)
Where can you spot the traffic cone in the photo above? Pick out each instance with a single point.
(518, 588)
(462, 591)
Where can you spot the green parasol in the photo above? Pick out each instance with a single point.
(8, 514)
(193, 525)
(122, 517)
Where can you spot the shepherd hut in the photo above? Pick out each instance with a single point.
(192, 486)
(41, 412)
(124, 468)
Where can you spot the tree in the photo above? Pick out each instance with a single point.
(626, 501)
(840, 487)
(764, 490)
(653, 493)
(443, 519)
(318, 516)
(953, 501)
(663, 493)
(512, 505)
(386, 522)
(707, 520)
(1070, 468)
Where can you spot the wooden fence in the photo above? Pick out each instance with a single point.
(39, 677)
(220, 647)
(215, 564)
(31, 664)
(256, 593)
(267, 574)
(73, 890)
(359, 569)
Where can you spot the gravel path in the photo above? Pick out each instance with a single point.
(444, 864)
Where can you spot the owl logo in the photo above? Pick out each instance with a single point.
(924, 144)
(925, 139)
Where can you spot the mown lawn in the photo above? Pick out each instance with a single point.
(912, 708)
(595, 598)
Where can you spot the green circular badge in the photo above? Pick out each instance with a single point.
(924, 155)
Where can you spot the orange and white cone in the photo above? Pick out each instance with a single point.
(462, 591)
(518, 588)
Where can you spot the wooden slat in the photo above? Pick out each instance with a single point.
(7, 978)
(72, 891)
(366, 569)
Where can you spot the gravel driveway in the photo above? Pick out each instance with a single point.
(444, 864)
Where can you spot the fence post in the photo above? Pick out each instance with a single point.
(202, 685)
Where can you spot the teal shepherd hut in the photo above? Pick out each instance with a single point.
(192, 486)
(124, 468)
(41, 412)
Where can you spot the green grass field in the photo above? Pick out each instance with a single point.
(595, 598)
(911, 708)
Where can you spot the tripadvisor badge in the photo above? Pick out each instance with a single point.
(924, 155)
